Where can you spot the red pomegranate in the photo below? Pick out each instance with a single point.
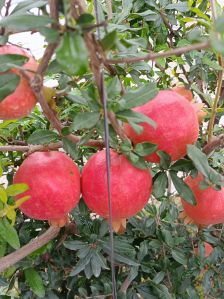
(208, 249)
(130, 187)
(54, 185)
(21, 102)
(210, 203)
(177, 125)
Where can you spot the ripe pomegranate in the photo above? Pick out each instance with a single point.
(208, 249)
(189, 96)
(177, 125)
(54, 185)
(210, 203)
(21, 102)
(130, 187)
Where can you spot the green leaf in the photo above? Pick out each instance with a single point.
(72, 54)
(178, 256)
(8, 84)
(24, 22)
(168, 237)
(135, 117)
(27, 5)
(136, 160)
(95, 266)
(199, 159)
(3, 247)
(71, 148)
(126, 146)
(182, 165)
(162, 292)
(80, 266)
(85, 19)
(2, 3)
(212, 64)
(139, 96)
(160, 184)
(35, 282)
(51, 35)
(180, 6)
(76, 99)
(1, 170)
(16, 189)
(3, 195)
(85, 120)
(10, 60)
(159, 277)
(109, 40)
(165, 159)
(145, 148)
(182, 188)
(219, 24)
(42, 137)
(75, 245)
(9, 234)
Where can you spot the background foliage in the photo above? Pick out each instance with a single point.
(155, 257)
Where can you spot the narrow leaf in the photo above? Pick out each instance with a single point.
(8, 84)
(35, 282)
(182, 188)
(139, 96)
(42, 137)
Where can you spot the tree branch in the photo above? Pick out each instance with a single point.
(97, 58)
(169, 53)
(215, 143)
(16, 256)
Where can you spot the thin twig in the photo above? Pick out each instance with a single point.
(125, 285)
(96, 59)
(16, 256)
(169, 53)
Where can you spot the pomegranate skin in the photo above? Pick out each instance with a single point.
(130, 187)
(21, 102)
(208, 249)
(54, 185)
(177, 125)
(210, 203)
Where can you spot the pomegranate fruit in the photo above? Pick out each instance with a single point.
(54, 185)
(210, 203)
(130, 187)
(198, 107)
(177, 125)
(21, 102)
(208, 249)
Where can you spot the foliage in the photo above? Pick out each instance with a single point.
(155, 257)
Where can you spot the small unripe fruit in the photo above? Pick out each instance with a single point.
(21, 102)
(210, 203)
(177, 125)
(130, 187)
(54, 185)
